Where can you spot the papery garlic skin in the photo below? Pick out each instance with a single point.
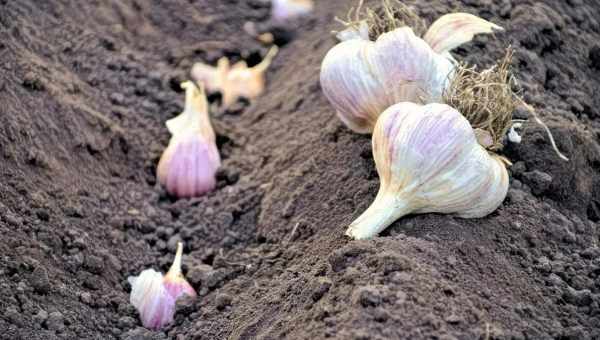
(513, 135)
(283, 10)
(361, 78)
(155, 296)
(357, 31)
(428, 160)
(188, 166)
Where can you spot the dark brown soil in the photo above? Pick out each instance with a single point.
(85, 88)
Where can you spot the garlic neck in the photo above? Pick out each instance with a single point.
(194, 118)
(355, 31)
(386, 209)
(175, 270)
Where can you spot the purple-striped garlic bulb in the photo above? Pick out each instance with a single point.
(429, 160)
(188, 166)
(154, 295)
(361, 78)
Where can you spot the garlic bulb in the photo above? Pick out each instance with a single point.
(189, 164)
(154, 296)
(282, 10)
(428, 160)
(362, 78)
(234, 81)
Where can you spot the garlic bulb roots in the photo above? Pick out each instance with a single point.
(429, 160)
(486, 98)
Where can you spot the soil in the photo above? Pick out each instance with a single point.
(85, 89)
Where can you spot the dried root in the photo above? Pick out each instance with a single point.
(542, 124)
(485, 98)
(388, 16)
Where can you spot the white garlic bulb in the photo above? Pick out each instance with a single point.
(362, 78)
(154, 296)
(189, 164)
(429, 160)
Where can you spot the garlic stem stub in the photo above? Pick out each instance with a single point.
(154, 296)
(361, 78)
(188, 166)
(429, 161)
(237, 81)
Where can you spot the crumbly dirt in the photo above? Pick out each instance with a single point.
(85, 89)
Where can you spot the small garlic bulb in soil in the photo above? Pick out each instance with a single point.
(429, 160)
(154, 296)
(188, 166)
(237, 81)
(361, 78)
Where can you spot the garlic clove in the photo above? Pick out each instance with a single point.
(429, 160)
(234, 81)
(206, 75)
(150, 298)
(188, 166)
(283, 10)
(154, 296)
(247, 82)
(361, 78)
(455, 29)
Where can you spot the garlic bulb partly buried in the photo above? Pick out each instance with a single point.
(282, 10)
(428, 160)
(362, 78)
(154, 296)
(189, 164)
(234, 81)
